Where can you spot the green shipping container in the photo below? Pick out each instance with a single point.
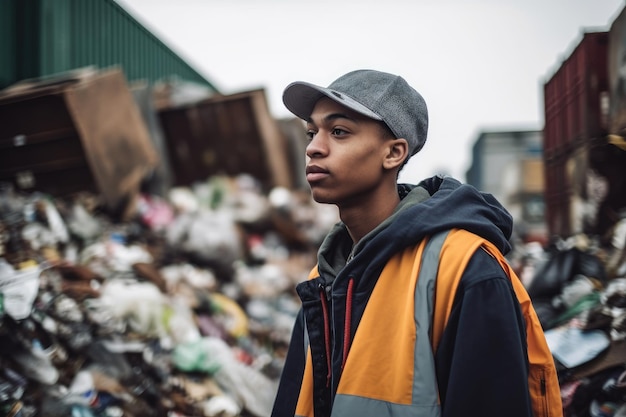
(39, 38)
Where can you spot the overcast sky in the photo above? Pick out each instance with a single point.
(480, 65)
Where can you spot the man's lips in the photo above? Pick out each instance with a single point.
(315, 173)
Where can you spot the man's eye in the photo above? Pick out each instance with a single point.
(338, 132)
(310, 134)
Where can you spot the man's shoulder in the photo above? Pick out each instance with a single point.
(482, 267)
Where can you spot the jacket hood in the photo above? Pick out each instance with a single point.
(435, 204)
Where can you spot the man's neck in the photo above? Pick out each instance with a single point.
(360, 219)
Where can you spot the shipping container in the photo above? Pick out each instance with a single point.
(558, 194)
(574, 96)
(44, 37)
(79, 132)
(226, 135)
(576, 113)
(617, 73)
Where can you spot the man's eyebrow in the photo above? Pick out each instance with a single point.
(333, 116)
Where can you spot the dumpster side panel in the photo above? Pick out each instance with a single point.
(82, 133)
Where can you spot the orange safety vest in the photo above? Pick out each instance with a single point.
(543, 383)
(410, 278)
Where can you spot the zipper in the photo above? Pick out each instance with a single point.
(347, 322)
(325, 298)
(544, 393)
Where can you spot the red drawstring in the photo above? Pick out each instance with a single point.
(326, 334)
(347, 323)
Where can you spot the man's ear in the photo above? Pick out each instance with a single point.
(398, 152)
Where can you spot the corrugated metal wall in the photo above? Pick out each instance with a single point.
(44, 37)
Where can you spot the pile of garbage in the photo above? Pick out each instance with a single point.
(578, 288)
(183, 309)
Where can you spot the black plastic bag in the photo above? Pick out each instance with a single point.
(561, 268)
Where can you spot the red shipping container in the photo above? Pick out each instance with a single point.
(617, 73)
(575, 112)
(573, 95)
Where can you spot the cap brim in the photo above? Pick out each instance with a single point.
(300, 97)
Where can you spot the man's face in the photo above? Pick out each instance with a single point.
(344, 156)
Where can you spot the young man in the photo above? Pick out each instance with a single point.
(370, 339)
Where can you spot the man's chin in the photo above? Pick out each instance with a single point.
(320, 198)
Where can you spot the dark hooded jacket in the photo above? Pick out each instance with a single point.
(474, 377)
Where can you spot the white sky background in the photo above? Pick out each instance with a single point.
(480, 65)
